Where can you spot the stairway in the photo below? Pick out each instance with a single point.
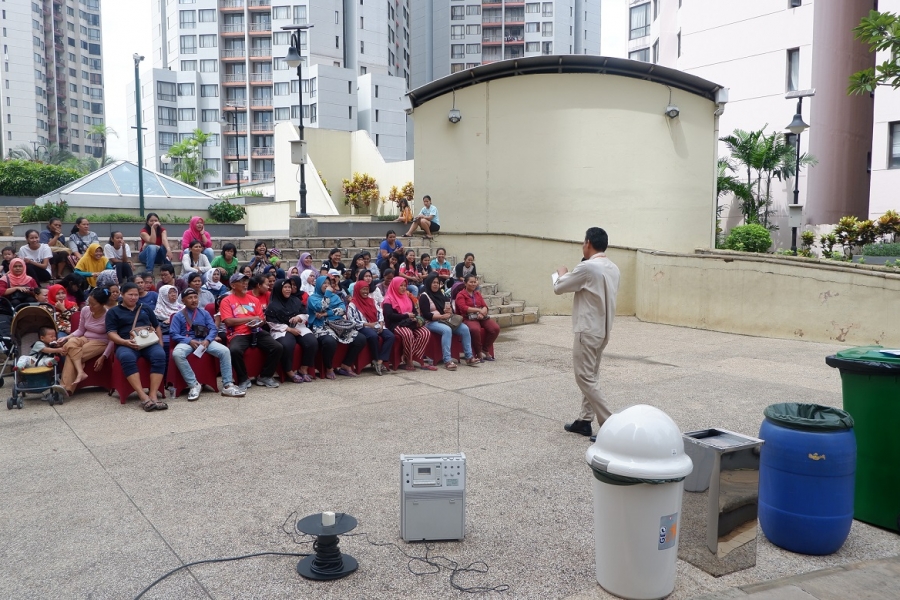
(9, 216)
(506, 311)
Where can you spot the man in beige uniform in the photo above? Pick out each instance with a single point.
(595, 281)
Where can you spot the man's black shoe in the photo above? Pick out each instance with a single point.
(593, 438)
(580, 427)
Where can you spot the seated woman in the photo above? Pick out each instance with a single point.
(119, 255)
(443, 268)
(409, 270)
(388, 246)
(194, 261)
(307, 282)
(16, 286)
(370, 265)
(286, 316)
(36, 256)
(195, 281)
(401, 318)
(120, 321)
(435, 309)
(80, 238)
(56, 241)
(466, 267)
(363, 311)
(154, 243)
(356, 265)
(87, 342)
(292, 272)
(324, 306)
(147, 298)
(265, 259)
(334, 262)
(259, 287)
(76, 287)
(212, 282)
(305, 263)
(196, 231)
(92, 263)
(381, 289)
(167, 304)
(63, 308)
(471, 306)
(227, 260)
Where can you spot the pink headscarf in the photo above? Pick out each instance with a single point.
(191, 234)
(401, 303)
(19, 280)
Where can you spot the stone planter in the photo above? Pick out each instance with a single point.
(133, 230)
(877, 260)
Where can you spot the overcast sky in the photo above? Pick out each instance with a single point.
(126, 30)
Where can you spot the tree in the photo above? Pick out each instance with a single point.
(881, 31)
(51, 155)
(101, 132)
(88, 164)
(188, 157)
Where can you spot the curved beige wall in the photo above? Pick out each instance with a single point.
(550, 155)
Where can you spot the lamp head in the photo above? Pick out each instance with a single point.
(137, 58)
(672, 111)
(293, 58)
(797, 126)
(455, 116)
(165, 159)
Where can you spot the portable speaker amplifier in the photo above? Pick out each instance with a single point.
(432, 497)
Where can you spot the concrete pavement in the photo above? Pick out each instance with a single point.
(100, 499)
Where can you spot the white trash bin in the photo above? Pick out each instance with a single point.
(639, 467)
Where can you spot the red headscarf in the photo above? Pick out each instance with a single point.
(401, 303)
(365, 305)
(21, 280)
(56, 289)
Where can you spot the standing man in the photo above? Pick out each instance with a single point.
(243, 316)
(595, 281)
(427, 220)
(190, 329)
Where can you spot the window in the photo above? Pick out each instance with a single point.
(337, 41)
(640, 21)
(209, 115)
(473, 48)
(207, 15)
(456, 67)
(376, 91)
(282, 114)
(457, 32)
(547, 29)
(166, 115)
(531, 28)
(678, 40)
(793, 70)
(473, 29)
(165, 91)
(642, 55)
(188, 44)
(532, 46)
(547, 48)
(209, 66)
(187, 19)
(362, 47)
(187, 114)
(457, 13)
(281, 12)
(533, 8)
(362, 23)
(279, 64)
(791, 3)
(473, 9)
(281, 38)
(282, 89)
(209, 91)
(166, 140)
(299, 15)
(313, 113)
(213, 140)
(655, 9)
(894, 156)
(457, 51)
(208, 41)
(185, 89)
(655, 52)
(547, 9)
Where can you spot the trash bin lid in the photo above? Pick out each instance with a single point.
(641, 442)
(872, 360)
(809, 417)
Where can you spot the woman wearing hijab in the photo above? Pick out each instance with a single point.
(305, 262)
(363, 311)
(107, 278)
(196, 231)
(401, 319)
(167, 304)
(286, 316)
(63, 308)
(212, 281)
(92, 263)
(307, 281)
(324, 306)
(16, 285)
(435, 309)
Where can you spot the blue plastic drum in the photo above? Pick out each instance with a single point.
(806, 476)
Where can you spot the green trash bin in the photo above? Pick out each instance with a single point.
(870, 379)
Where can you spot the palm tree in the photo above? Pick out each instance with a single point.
(188, 155)
(52, 154)
(88, 164)
(777, 158)
(102, 131)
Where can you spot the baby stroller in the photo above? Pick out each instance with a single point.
(24, 332)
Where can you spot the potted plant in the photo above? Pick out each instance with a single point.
(361, 191)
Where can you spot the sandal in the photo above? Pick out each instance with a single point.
(345, 372)
(450, 366)
(306, 378)
(297, 378)
(472, 361)
(161, 406)
(379, 368)
(148, 405)
(410, 367)
(329, 375)
(429, 368)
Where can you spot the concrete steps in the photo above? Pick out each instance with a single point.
(9, 216)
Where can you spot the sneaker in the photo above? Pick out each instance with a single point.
(580, 427)
(268, 382)
(233, 391)
(245, 385)
(194, 392)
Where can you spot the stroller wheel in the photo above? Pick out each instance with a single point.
(20, 402)
(2, 381)
(10, 403)
(55, 399)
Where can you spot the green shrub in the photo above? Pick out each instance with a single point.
(749, 238)
(26, 178)
(882, 249)
(226, 212)
(386, 217)
(44, 212)
(125, 218)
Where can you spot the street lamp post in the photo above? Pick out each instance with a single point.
(140, 142)
(234, 124)
(797, 126)
(294, 60)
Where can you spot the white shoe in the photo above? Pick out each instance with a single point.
(233, 391)
(194, 392)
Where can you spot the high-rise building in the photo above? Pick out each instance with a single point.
(452, 35)
(52, 89)
(218, 65)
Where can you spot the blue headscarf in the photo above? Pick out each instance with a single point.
(317, 301)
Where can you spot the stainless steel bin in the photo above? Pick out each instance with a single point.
(719, 509)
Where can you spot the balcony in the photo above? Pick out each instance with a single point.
(233, 53)
(260, 4)
(262, 152)
(260, 53)
(235, 79)
(240, 104)
(263, 128)
(231, 5)
(232, 178)
(259, 78)
(263, 175)
(230, 129)
(166, 97)
(259, 27)
(233, 29)
(261, 103)
(232, 154)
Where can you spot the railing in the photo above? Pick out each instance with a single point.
(491, 19)
(262, 26)
(234, 28)
(260, 2)
(261, 102)
(234, 53)
(257, 127)
(166, 97)
(263, 175)
(231, 129)
(264, 151)
(231, 3)
(260, 77)
(167, 122)
(235, 104)
(266, 52)
(235, 78)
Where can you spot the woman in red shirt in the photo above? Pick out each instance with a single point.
(154, 243)
(471, 306)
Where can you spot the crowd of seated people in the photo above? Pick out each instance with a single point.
(388, 306)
